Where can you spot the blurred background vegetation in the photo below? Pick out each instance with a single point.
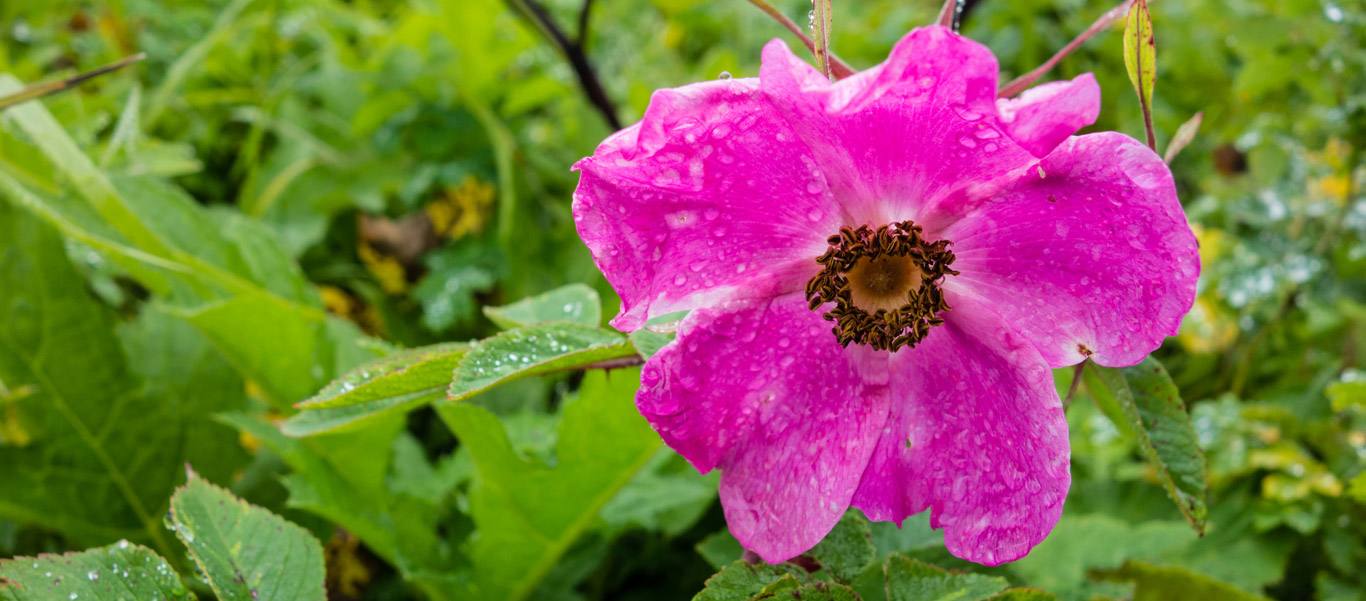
(331, 180)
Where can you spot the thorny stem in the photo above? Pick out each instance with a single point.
(820, 28)
(40, 90)
(573, 51)
(838, 68)
(1019, 84)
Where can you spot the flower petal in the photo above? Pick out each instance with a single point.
(976, 434)
(1043, 116)
(897, 138)
(1087, 255)
(710, 196)
(763, 391)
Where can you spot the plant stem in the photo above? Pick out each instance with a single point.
(950, 15)
(838, 67)
(39, 90)
(573, 51)
(1019, 84)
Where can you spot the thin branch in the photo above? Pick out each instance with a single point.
(573, 52)
(838, 68)
(1024, 81)
(40, 90)
(585, 13)
(1076, 381)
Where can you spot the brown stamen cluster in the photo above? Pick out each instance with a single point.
(879, 264)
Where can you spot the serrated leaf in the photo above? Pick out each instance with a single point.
(847, 549)
(1161, 583)
(815, 591)
(117, 572)
(533, 351)
(1146, 403)
(74, 474)
(527, 515)
(667, 496)
(244, 552)
(1140, 51)
(1023, 594)
(912, 580)
(387, 386)
(742, 581)
(575, 303)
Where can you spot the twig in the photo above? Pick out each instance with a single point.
(838, 68)
(574, 53)
(1019, 84)
(617, 363)
(40, 90)
(585, 12)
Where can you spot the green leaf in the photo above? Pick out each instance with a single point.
(527, 514)
(74, 473)
(225, 273)
(1145, 402)
(848, 549)
(815, 591)
(912, 580)
(245, 552)
(1140, 51)
(114, 573)
(667, 496)
(648, 342)
(391, 385)
(1023, 594)
(1140, 59)
(741, 581)
(1081, 543)
(1348, 392)
(575, 303)
(1160, 583)
(533, 351)
(720, 548)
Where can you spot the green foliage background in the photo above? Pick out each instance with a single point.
(274, 251)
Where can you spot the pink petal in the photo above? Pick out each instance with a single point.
(1087, 255)
(710, 196)
(1043, 116)
(762, 390)
(904, 135)
(977, 435)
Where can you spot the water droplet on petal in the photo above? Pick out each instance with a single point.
(967, 142)
(724, 75)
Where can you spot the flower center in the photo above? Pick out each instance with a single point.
(885, 284)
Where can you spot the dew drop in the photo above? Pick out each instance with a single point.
(93, 575)
(724, 75)
(680, 279)
(813, 187)
(967, 142)
(721, 131)
(814, 215)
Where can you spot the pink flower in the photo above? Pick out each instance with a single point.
(881, 272)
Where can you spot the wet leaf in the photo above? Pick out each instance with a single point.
(394, 384)
(575, 303)
(741, 581)
(532, 351)
(848, 549)
(912, 580)
(1140, 51)
(245, 552)
(1143, 401)
(119, 571)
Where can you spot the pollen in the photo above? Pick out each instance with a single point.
(884, 283)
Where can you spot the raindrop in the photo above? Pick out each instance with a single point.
(813, 187)
(93, 575)
(967, 142)
(724, 75)
(680, 279)
(814, 215)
